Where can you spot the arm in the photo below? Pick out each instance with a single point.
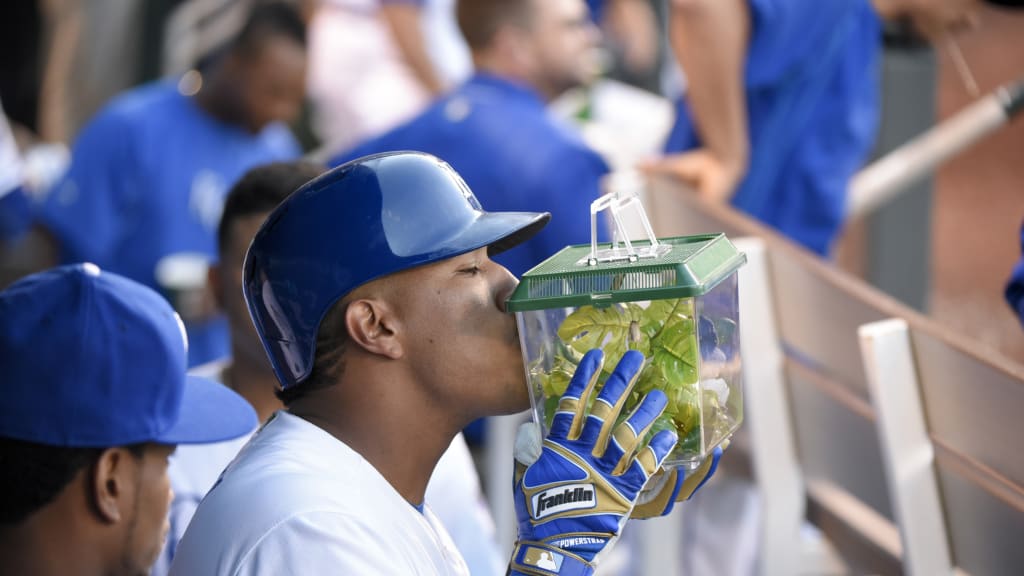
(404, 19)
(63, 22)
(634, 27)
(710, 39)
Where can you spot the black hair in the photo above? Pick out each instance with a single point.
(265, 19)
(260, 190)
(32, 475)
(269, 19)
(329, 358)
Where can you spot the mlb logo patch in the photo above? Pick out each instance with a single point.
(543, 559)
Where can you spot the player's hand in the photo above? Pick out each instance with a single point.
(575, 497)
(714, 179)
(670, 486)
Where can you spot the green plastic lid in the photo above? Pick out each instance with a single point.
(686, 266)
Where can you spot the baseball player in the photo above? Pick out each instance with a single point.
(453, 492)
(374, 294)
(496, 129)
(149, 172)
(95, 400)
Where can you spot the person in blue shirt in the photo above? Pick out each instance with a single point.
(15, 214)
(495, 129)
(782, 102)
(149, 173)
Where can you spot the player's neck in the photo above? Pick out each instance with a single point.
(387, 424)
(43, 548)
(254, 383)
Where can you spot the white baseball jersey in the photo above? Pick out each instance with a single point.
(298, 501)
(453, 494)
(193, 470)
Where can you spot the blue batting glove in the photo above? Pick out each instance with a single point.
(670, 486)
(573, 501)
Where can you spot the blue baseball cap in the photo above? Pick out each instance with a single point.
(93, 359)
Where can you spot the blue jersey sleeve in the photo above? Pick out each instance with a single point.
(787, 34)
(573, 182)
(88, 207)
(15, 214)
(564, 185)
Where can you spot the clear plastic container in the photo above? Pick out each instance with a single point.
(674, 299)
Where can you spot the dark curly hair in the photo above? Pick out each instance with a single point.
(32, 475)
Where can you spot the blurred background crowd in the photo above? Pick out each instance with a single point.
(126, 124)
(358, 68)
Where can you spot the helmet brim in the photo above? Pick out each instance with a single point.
(500, 231)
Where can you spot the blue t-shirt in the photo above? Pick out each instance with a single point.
(812, 102)
(15, 214)
(514, 156)
(147, 179)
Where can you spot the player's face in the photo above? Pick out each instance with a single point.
(565, 41)
(244, 339)
(147, 524)
(272, 83)
(460, 337)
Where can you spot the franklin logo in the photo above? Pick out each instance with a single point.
(565, 498)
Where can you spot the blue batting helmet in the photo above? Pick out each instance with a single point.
(365, 219)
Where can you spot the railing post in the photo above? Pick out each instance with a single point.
(906, 448)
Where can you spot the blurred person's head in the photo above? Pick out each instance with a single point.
(935, 18)
(260, 76)
(549, 44)
(96, 398)
(246, 206)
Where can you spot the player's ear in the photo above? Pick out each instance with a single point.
(111, 484)
(373, 325)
